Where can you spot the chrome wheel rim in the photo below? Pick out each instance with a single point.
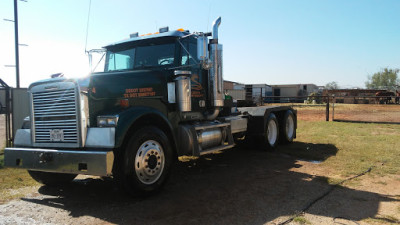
(149, 162)
(290, 127)
(272, 132)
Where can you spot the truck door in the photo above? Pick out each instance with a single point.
(188, 58)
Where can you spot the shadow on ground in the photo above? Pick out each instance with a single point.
(239, 186)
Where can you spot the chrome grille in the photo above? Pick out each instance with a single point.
(55, 109)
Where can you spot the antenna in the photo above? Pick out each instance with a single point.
(208, 20)
(87, 25)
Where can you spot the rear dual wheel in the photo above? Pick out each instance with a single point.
(284, 131)
(288, 127)
(272, 132)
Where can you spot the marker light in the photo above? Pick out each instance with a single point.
(163, 29)
(133, 35)
(124, 103)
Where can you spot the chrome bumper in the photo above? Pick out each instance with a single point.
(98, 163)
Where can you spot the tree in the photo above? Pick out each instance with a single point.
(385, 79)
(332, 85)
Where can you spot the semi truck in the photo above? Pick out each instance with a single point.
(160, 96)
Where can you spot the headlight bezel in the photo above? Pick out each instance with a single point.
(107, 121)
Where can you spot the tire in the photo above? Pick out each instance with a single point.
(287, 128)
(51, 179)
(271, 135)
(146, 163)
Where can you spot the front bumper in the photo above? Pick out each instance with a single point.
(98, 163)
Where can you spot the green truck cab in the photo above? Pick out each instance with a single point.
(159, 97)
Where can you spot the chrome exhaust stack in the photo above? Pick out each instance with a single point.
(215, 75)
(216, 24)
(211, 59)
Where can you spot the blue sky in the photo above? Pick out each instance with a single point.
(273, 42)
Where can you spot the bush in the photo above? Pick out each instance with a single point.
(314, 96)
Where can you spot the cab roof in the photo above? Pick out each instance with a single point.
(175, 33)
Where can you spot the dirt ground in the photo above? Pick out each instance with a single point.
(238, 186)
(371, 112)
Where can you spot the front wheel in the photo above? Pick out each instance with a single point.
(51, 179)
(147, 161)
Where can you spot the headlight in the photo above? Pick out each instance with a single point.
(27, 123)
(107, 121)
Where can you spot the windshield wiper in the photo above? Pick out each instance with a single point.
(121, 70)
(144, 66)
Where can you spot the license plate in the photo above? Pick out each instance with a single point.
(56, 135)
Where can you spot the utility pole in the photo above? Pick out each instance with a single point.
(16, 41)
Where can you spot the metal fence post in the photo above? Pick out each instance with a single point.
(327, 109)
(8, 118)
(333, 109)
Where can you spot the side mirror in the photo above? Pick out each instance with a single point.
(202, 48)
(202, 52)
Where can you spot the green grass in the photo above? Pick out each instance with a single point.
(301, 220)
(348, 148)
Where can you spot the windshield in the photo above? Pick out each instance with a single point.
(140, 57)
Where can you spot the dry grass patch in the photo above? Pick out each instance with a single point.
(384, 219)
(348, 148)
(13, 181)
